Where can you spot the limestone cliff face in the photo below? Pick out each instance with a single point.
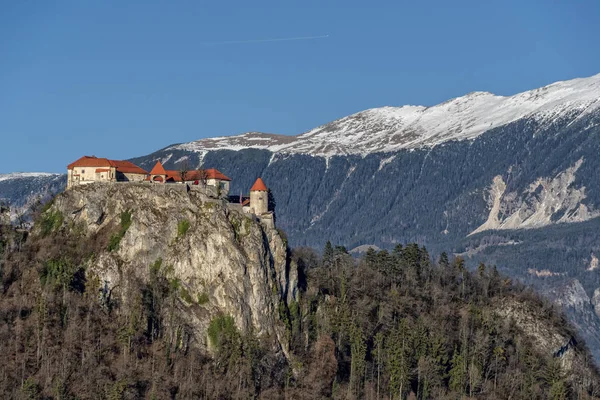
(546, 338)
(226, 262)
(545, 202)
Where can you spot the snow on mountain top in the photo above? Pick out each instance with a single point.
(389, 129)
(21, 175)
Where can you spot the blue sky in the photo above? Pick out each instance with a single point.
(124, 78)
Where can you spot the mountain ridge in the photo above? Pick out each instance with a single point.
(390, 129)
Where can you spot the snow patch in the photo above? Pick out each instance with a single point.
(543, 273)
(166, 158)
(385, 162)
(181, 159)
(593, 263)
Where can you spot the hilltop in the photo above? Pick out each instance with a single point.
(137, 290)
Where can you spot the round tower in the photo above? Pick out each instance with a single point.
(259, 198)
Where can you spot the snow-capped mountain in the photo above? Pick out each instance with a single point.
(390, 129)
(26, 175)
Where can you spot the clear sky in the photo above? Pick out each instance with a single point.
(124, 78)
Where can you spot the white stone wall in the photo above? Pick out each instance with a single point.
(85, 175)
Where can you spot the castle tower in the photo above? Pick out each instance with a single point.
(259, 198)
(158, 173)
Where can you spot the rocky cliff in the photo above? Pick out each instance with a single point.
(222, 262)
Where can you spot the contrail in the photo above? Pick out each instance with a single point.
(268, 40)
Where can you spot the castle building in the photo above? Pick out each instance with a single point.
(210, 177)
(90, 169)
(259, 198)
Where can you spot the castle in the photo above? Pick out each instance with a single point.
(90, 169)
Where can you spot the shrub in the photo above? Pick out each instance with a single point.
(222, 330)
(47, 206)
(50, 222)
(185, 295)
(58, 272)
(203, 298)
(115, 239)
(182, 227)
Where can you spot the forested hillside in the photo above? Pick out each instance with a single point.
(390, 325)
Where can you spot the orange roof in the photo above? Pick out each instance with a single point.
(214, 173)
(259, 186)
(90, 161)
(246, 202)
(127, 167)
(174, 176)
(158, 169)
(194, 175)
(103, 163)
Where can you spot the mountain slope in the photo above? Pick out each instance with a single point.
(23, 189)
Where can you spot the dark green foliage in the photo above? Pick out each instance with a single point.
(58, 273)
(182, 227)
(50, 221)
(115, 239)
(328, 253)
(403, 324)
(224, 336)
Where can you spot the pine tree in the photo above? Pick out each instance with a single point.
(458, 372)
(443, 262)
(328, 254)
(397, 345)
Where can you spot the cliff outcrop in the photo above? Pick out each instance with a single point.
(220, 261)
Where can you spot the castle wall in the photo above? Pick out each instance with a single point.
(217, 182)
(85, 175)
(133, 177)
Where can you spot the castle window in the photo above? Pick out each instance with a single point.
(83, 171)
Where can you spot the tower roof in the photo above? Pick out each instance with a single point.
(259, 186)
(158, 169)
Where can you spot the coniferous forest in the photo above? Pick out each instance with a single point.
(393, 325)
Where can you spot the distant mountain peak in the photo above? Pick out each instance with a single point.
(20, 175)
(389, 129)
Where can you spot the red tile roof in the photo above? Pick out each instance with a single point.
(259, 186)
(246, 202)
(127, 167)
(90, 161)
(214, 173)
(121, 166)
(158, 169)
(194, 175)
